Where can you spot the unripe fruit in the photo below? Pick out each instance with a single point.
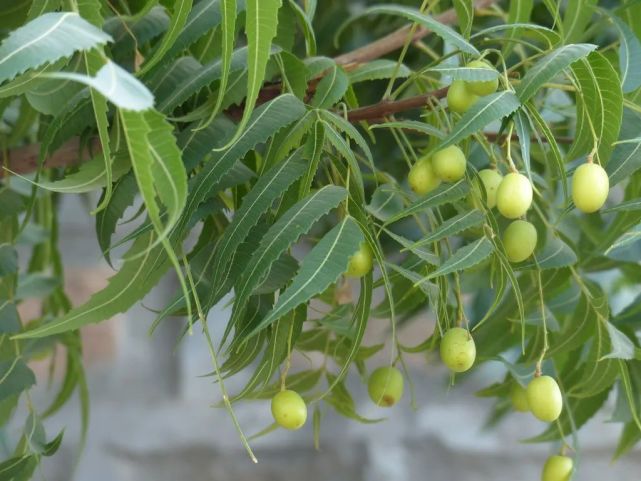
(518, 397)
(385, 386)
(458, 350)
(482, 87)
(519, 240)
(422, 178)
(557, 468)
(514, 195)
(491, 180)
(289, 410)
(361, 262)
(544, 398)
(590, 187)
(449, 163)
(459, 99)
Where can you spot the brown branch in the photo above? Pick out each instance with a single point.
(25, 159)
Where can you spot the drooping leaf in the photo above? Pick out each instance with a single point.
(464, 258)
(377, 70)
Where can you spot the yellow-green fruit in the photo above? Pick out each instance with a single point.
(557, 468)
(458, 350)
(482, 87)
(422, 178)
(514, 195)
(449, 163)
(519, 240)
(385, 386)
(361, 262)
(544, 398)
(519, 398)
(459, 98)
(590, 187)
(491, 180)
(289, 410)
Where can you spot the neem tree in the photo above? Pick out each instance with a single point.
(462, 169)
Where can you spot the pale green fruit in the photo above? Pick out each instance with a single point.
(519, 240)
(590, 187)
(459, 99)
(491, 180)
(514, 195)
(544, 398)
(557, 468)
(422, 178)
(518, 397)
(458, 350)
(289, 410)
(361, 262)
(482, 87)
(449, 163)
(385, 386)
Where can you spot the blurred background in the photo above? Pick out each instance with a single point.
(152, 416)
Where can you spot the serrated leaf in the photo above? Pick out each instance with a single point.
(377, 70)
(621, 345)
(549, 67)
(280, 236)
(523, 128)
(578, 14)
(421, 127)
(486, 110)
(260, 198)
(555, 255)
(625, 161)
(629, 56)
(521, 30)
(8, 260)
(415, 15)
(321, 267)
(347, 128)
(16, 377)
(632, 236)
(387, 200)
(627, 206)
(116, 84)
(602, 103)
(46, 39)
(445, 193)
(178, 19)
(331, 88)
(464, 258)
(465, 12)
(453, 226)
(465, 73)
(305, 21)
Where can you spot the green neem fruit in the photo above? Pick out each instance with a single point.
(519, 240)
(491, 180)
(385, 386)
(544, 398)
(449, 163)
(590, 187)
(459, 98)
(482, 87)
(361, 262)
(289, 410)
(518, 397)
(422, 178)
(557, 468)
(458, 350)
(514, 195)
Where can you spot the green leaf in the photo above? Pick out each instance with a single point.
(465, 73)
(377, 70)
(387, 200)
(46, 39)
(8, 260)
(15, 377)
(265, 122)
(549, 67)
(116, 84)
(486, 110)
(629, 56)
(465, 13)
(280, 236)
(445, 193)
(452, 226)
(178, 20)
(347, 128)
(625, 161)
(415, 15)
(308, 30)
(261, 25)
(320, 268)
(35, 285)
(415, 125)
(9, 318)
(147, 264)
(260, 198)
(555, 255)
(632, 236)
(602, 103)
(11, 468)
(523, 128)
(464, 258)
(622, 346)
(578, 14)
(331, 88)
(627, 206)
